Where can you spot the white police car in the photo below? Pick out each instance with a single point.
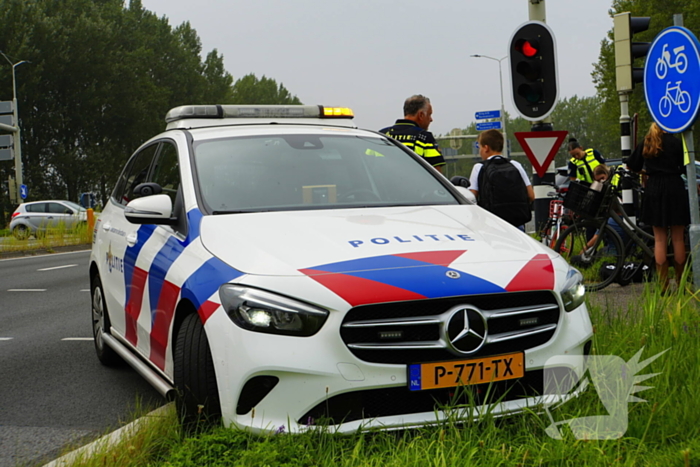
(277, 267)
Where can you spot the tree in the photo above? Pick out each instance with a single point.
(250, 90)
(101, 79)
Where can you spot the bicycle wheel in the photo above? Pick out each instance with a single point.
(556, 233)
(600, 264)
(549, 234)
(665, 106)
(684, 101)
(638, 263)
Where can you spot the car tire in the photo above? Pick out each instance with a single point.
(197, 399)
(101, 325)
(20, 232)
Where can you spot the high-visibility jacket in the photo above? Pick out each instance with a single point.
(615, 181)
(585, 166)
(420, 141)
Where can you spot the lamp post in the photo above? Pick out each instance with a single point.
(17, 142)
(503, 109)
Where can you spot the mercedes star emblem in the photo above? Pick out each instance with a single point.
(466, 330)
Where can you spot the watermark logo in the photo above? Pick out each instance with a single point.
(615, 381)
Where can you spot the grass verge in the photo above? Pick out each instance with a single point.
(662, 431)
(48, 240)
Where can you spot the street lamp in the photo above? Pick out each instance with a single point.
(503, 109)
(17, 143)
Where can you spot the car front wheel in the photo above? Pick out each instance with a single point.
(100, 325)
(195, 380)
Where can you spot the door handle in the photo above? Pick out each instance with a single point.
(131, 239)
(106, 226)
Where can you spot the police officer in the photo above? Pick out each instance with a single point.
(583, 161)
(412, 130)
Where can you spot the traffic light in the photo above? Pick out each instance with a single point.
(533, 70)
(625, 26)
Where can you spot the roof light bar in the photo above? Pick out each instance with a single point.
(256, 111)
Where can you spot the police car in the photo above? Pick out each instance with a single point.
(275, 267)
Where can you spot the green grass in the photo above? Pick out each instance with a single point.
(663, 431)
(48, 240)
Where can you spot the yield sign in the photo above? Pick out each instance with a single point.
(541, 147)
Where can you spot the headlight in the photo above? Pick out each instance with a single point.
(260, 311)
(574, 292)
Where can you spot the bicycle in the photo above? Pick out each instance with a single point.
(559, 218)
(594, 246)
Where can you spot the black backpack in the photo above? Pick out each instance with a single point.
(502, 191)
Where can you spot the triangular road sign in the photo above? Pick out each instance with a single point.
(541, 147)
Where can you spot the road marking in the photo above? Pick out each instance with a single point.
(58, 267)
(26, 290)
(5, 338)
(84, 290)
(78, 339)
(49, 254)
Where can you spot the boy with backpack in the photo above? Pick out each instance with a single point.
(501, 185)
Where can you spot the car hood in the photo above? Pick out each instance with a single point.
(370, 242)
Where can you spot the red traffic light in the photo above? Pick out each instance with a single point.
(533, 70)
(529, 48)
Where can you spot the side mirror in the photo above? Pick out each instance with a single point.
(147, 189)
(155, 209)
(458, 180)
(467, 193)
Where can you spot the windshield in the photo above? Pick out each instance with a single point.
(311, 171)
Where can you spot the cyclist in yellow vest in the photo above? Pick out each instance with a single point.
(583, 161)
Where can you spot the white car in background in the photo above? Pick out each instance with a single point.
(275, 266)
(36, 217)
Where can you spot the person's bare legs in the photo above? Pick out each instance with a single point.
(660, 252)
(679, 255)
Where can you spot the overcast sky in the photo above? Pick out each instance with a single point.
(371, 54)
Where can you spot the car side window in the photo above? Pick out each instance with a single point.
(166, 171)
(57, 208)
(36, 207)
(136, 172)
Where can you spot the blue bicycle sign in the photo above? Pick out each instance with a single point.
(679, 98)
(672, 79)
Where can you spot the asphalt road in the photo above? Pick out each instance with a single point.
(53, 390)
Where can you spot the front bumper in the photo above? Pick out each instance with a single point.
(269, 381)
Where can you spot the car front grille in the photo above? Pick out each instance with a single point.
(415, 331)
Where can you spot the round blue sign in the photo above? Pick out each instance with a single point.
(672, 79)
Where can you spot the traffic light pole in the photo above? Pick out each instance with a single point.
(626, 75)
(537, 11)
(626, 150)
(541, 185)
(18, 137)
